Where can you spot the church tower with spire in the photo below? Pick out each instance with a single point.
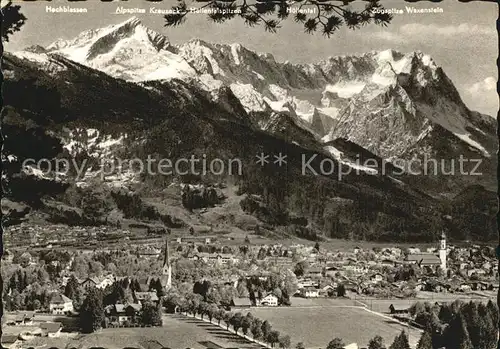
(442, 251)
(166, 277)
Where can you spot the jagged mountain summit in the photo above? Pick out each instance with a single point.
(127, 50)
(395, 105)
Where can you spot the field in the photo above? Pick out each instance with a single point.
(382, 305)
(317, 325)
(177, 332)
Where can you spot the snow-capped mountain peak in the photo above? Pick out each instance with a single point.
(128, 50)
(388, 95)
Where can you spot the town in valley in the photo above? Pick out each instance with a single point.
(151, 279)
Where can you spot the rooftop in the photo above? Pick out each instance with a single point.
(426, 258)
(58, 298)
(51, 327)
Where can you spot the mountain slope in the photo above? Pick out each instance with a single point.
(185, 123)
(124, 91)
(388, 102)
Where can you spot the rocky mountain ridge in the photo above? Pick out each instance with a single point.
(126, 91)
(357, 97)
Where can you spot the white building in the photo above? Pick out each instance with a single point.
(215, 258)
(269, 301)
(309, 292)
(443, 252)
(352, 346)
(60, 304)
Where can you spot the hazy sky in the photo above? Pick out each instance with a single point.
(462, 39)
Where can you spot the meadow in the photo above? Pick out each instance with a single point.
(315, 326)
(177, 332)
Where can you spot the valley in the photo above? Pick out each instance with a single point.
(104, 250)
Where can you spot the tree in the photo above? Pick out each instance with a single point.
(487, 327)
(376, 342)
(256, 329)
(336, 343)
(92, 311)
(456, 334)
(425, 341)
(417, 308)
(211, 311)
(96, 202)
(266, 329)
(37, 304)
(473, 322)
(300, 345)
(242, 290)
(171, 301)
(12, 20)
(300, 268)
(78, 298)
(193, 303)
(203, 309)
(273, 337)
(400, 342)
(246, 323)
(227, 319)
(219, 315)
(341, 290)
(284, 342)
(330, 16)
(71, 286)
(151, 314)
(493, 309)
(236, 321)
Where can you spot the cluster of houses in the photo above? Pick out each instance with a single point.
(463, 269)
(123, 315)
(24, 326)
(214, 258)
(29, 234)
(92, 282)
(269, 300)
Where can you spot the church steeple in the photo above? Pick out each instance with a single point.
(166, 277)
(443, 252)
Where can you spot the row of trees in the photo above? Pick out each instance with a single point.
(248, 324)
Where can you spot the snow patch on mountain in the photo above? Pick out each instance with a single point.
(356, 166)
(42, 59)
(200, 56)
(278, 92)
(259, 76)
(249, 97)
(346, 89)
(332, 112)
(91, 141)
(212, 85)
(337, 154)
(235, 48)
(447, 118)
(304, 109)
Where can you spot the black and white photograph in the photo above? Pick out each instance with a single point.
(243, 174)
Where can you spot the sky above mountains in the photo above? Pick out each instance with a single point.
(462, 39)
